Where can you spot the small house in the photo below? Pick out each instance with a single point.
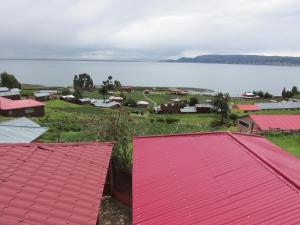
(13, 94)
(116, 98)
(259, 124)
(126, 89)
(18, 108)
(142, 104)
(42, 96)
(20, 130)
(213, 178)
(56, 184)
(204, 108)
(105, 104)
(188, 109)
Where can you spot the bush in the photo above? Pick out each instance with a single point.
(130, 102)
(215, 123)
(65, 91)
(160, 120)
(193, 101)
(233, 117)
(172, 120)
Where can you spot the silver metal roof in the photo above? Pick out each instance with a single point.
(278, 105)
(20, 130)
(188, 109)
(9, 93)
(3, 89)
(203, 105)
(41, 94)
(104, 104)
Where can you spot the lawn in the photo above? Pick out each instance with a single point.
(71, 122)
(289, 142)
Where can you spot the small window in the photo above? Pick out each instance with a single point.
(30, 110)
(243, 123)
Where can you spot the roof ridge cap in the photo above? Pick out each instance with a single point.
(265, 162)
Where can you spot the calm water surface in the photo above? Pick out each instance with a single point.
(219, 77)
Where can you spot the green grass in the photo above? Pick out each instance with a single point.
(289, 142)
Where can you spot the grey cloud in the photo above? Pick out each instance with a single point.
(150, 29)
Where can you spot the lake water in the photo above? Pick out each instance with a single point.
(219, 77)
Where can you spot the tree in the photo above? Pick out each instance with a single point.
(220, 103)
(83, 82)
(233, 117)
(294, 90)
(65, 91)
(130, 102)
(9, 81)
(267, 95)
(283, 93)
(193, 101)
(103, 91)
(78, 93)
(109, 85)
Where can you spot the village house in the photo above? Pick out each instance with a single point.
(105, 103)
(20, 130)
(213, 178)
(259, 124)
(126, 89)
(116, 98)
(18, 108)
(52, 183)
(142, 104)
(13, 94)
(41, 96)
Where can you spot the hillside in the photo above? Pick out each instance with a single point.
(242, 59)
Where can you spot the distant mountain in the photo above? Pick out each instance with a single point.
(242, 59)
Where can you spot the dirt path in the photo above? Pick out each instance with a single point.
(149, 99)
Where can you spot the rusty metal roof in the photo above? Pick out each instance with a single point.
(52, 184)
(214, 178)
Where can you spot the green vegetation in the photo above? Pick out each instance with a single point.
(9, 81)
(289, 142)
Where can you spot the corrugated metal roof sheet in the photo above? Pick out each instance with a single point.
(104, 104)
(246, 107)
(279, 105)
(20, 130)
(53, 184)
(188, 109)
(3, 89)
(9, 93)
(214, 178)
(41, 94)
(282, 122)
(8, 104)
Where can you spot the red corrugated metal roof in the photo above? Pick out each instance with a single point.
(52, 184)
(214, 178)
(282, 122)
(8, 104)
(247, 107)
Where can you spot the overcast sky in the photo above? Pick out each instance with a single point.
(148, 29)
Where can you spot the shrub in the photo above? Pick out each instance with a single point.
(160, 120)
(193, 101)
(130, 102)
(215, 123)
(172, 120)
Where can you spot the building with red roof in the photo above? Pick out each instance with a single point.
(247, 107)
(258, 124)
(53, 184)
(214, 178)
(18, 108)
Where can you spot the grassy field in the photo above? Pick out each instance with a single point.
(289, 142)
(70, 122)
